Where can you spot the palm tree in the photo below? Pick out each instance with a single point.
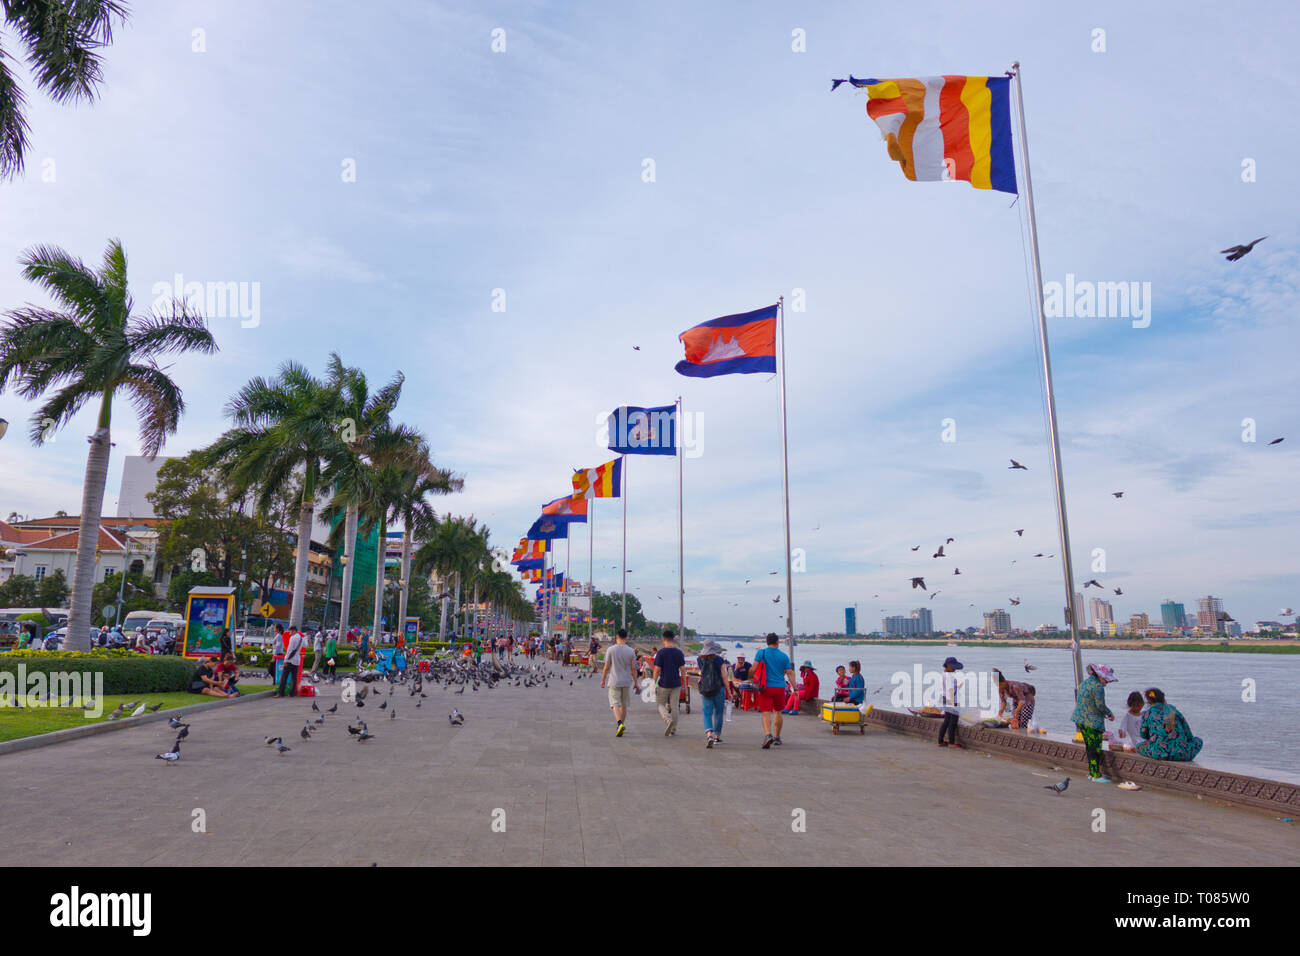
(418, 516)
(283, 428)
(455, 549)
(86, 349)
(368, 433)
(62, 39)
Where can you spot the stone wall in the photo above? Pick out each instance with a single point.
(1234, 788)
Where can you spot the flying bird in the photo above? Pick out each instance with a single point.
(1233, 253)
(939, 553)
(636, 348)
(1092, 584)
(950, 541)
(1058, 787)
(1030, 667)
(935, 595)
(918, 583)
(1119, 591)
(1117, 494)
(917, 548)
(1039, 554)
(956, 570)
(1015, 601)
(1277, 441)
(1287, 611)
(1016, 465)
(1020, 532)
(777, 599)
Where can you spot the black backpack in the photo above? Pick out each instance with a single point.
(711, 677)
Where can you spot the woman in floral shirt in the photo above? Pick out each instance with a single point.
(1089, 710)
(1165, 733)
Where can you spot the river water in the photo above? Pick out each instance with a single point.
(1248, 736)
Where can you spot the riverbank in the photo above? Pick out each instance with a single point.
(1241, 646)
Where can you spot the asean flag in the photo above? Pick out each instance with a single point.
(732, 344)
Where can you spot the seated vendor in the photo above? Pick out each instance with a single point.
(808, 690)
(857, 683)
(741, 674)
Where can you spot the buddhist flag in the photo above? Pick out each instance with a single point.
(946, 127)
(528, 550)
(605, 481)
(740, 343)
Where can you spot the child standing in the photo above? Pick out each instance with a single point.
(1128, 734)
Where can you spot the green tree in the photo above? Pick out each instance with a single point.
(19, 591)
(62, 39)
(87, 350)
(138, 595)
(610, 607)
(52, 590)
(178, 590)
(202, 514)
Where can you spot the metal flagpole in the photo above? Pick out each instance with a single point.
(564, 608)
(681, 574)
(624, 624)
(785, 484)
(591, 586)
(1051, 396)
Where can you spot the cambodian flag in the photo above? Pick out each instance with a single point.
(732, 344)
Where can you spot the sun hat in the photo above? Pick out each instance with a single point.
(1103, 673)
(713, 647)
(953, 663)
(807, 664)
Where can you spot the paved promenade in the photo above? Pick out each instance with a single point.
(423, 792)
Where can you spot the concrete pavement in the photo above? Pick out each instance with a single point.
(545, 763)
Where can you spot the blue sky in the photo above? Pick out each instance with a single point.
(522, 171)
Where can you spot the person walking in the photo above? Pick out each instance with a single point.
(331, 656)
(317, 651)
(949, 725)
(620, 660)
(1090, 714)
(714, 674)
(778, 671)
(668, 666)
(292, 662)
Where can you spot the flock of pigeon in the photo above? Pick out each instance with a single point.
(367, 686)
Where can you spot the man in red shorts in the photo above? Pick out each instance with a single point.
(779, 671)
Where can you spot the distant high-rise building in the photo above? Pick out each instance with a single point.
(899, 626)
(1172, 614)
(924, 620)
(997, 622)
(1208, 610)
(1138, 622)
(139, 478)
(1101, 613)
(850, 621)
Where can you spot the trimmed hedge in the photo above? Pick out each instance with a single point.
(124, 672)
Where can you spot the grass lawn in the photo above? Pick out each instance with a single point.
(16, 722)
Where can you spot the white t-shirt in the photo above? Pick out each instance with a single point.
(293, 653)
(1129, 733)
(622, 662)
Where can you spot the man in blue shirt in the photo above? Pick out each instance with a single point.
(668, 666)
(780, 670)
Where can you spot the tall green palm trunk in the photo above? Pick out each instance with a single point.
(301, 566)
